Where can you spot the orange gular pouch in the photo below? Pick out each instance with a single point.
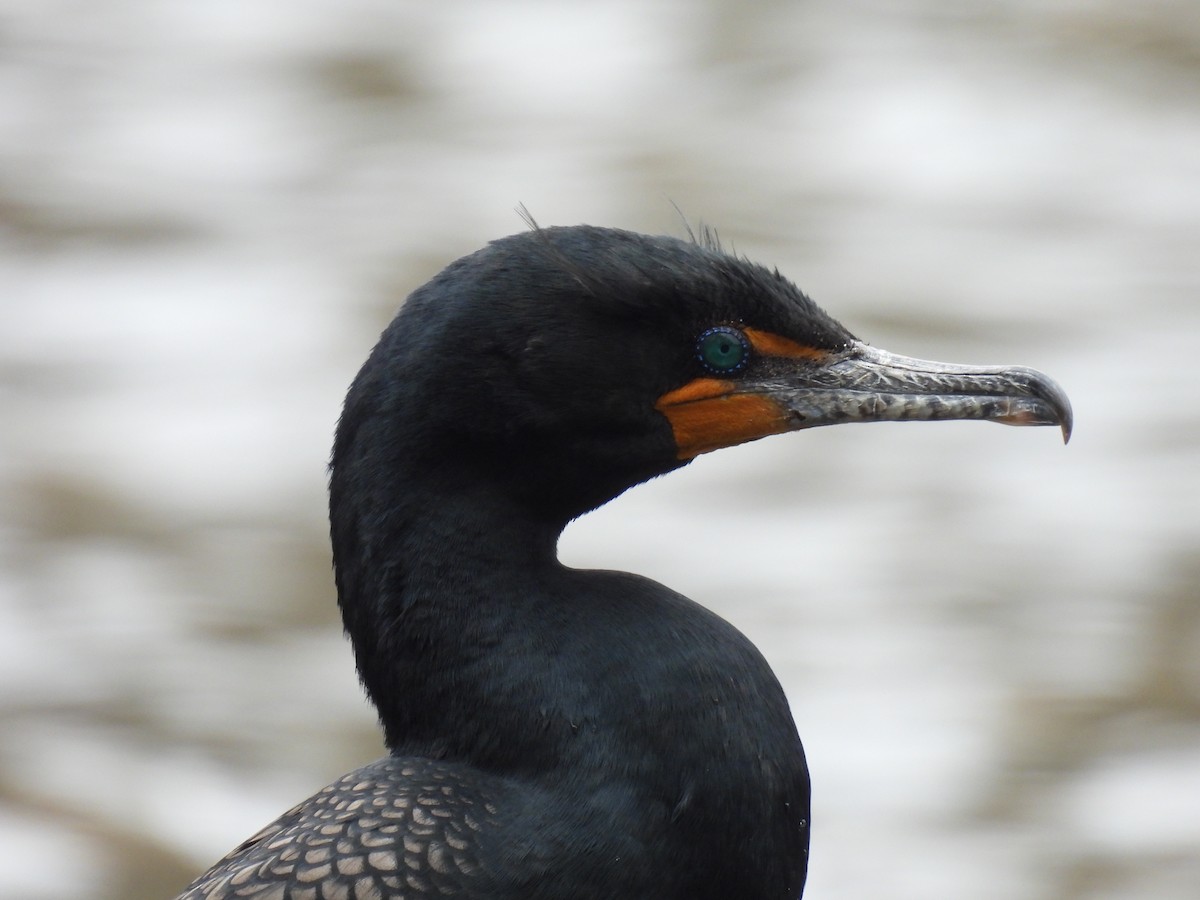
(708, 413)
(705, 414)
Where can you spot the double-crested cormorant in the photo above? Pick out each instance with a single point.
(551, 732)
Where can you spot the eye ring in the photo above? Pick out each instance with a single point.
(723, 350)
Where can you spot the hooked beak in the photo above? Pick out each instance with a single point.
(856, 384)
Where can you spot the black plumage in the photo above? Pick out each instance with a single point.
(557, 733)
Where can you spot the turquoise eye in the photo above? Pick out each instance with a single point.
(723, 350)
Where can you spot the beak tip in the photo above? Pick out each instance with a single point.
(1066, 416)
(1052, 394)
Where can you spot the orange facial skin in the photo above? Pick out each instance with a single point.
(705, 414)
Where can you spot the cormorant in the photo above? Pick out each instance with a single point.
(556, 733)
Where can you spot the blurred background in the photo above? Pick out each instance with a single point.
(208, 211)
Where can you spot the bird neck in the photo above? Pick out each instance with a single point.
(429, 592)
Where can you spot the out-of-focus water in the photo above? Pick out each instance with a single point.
(208, 211)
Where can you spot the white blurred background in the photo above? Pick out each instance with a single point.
(208, 211)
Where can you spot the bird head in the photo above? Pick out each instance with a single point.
(563, 365)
